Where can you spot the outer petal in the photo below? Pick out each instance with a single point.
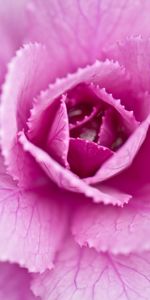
(107, 133)
(12, 13)
(14, 283)
(21, 85)
(133, 54)
(66, 179)
(82, 273)
(81, 29)
(30, 231)
(115, 229)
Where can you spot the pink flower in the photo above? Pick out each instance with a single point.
(75, 142)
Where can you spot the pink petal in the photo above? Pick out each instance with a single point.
(21, 85)
(127, 117)
(12, 13)
(107, 133)
(86, 157)
(30, 231)
(67, 180)
(114, 229)
(124, 156)
(107, 74)
(80, 30)
(85, 119)
(15, 283)
(133, 54)
(82, 273)
(58, 136)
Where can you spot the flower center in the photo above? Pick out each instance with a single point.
(87, 117)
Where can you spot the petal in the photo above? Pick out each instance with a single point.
(86, 157)
(58, 136)
(30, 231)
(107, 74)
(127, 117)
(82, 273)
(124, 156)
(107, 134)
(133, 54)
(70, 26)
(21, 85)
(114, 229)
(12, 13)
(137, 176)
(67, 180)
(15, 283)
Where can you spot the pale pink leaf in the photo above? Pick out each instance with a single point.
(114, 229)
(83, 273)
(30, 229)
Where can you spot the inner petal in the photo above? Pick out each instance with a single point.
(86, 157)
(78, 112)
(88, 131)
(112, 133)
(127, 117)
(58, 137)
(107, 133)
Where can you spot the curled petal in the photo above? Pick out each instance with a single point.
(107, 133)
(127, 117)
(30, 234)
(107, 74)
(21, 85)
(66, 179)
(57, 143)
(12, 36)
(86, 119)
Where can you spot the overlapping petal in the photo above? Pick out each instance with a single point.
(133, 54)
(82, 273)
(115, 230)
(30, 231)
(86, 157)
(124, 157)
(107, 74)
(21, 85)
(57, 143)
(66, 179)
(81, 29)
